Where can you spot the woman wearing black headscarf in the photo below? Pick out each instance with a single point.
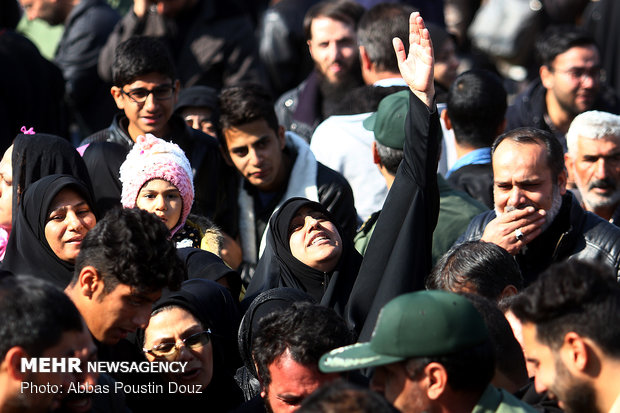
(305, 251)
(53, 217)
(205, 316)
(103, 161)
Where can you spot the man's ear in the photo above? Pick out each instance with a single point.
(364, 59)
(281, 137)
(446, 119)
(226, 155)
(177, 88)
(546, 76)
(574, 352)
(437, 380)
(508, 291)
(562, 180)
(375, 154)
(89, 282)
(12, 362)
(117, 94)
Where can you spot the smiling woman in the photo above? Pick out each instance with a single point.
(55, 214)
(305, 251)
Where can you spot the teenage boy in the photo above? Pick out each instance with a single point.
(145, 89)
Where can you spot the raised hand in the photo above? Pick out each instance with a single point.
(417, 68)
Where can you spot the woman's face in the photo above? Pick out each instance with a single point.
(163, 199)
(172, 326)
(68, 220)
(314, 240)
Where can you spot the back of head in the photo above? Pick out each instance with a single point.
(556, 40)
(376, 29)
(139, 56)
(345, 11)
(593, 124)
(534, 136)
(244, 104)
(476, 107)
(34, 315)
(476, 266)
(306, 330)
(509, 359)
(573, 296)
(131, 246)
(342, 396)
(10, 13)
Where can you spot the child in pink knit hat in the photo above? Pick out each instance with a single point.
(157, 177)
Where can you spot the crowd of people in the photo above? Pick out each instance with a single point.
(313, 206)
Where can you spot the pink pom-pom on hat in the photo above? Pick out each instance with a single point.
(154, 158)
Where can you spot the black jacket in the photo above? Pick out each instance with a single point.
(529, 109)
(201, 150)
(298, 110)
(475, 180)
(574, 233)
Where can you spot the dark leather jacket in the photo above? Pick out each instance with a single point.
(575, 233)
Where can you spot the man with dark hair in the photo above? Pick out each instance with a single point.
(124, 263)
(475, 111)
(570, 317)
(535, 218)
(38, 320)
(287, 349)
(212, 42)
(145, 89)
(477, 267)
(570, 83)
(342, 396)
(88, 23)
(432, 352)
(348, 154)
(456, 208)
(274, 167)
(329, 27)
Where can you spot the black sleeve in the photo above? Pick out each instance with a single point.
(399, 257)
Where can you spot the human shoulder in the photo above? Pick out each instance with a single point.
(500, 401)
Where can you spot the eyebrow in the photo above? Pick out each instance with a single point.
(65, 206)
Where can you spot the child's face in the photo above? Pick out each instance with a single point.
(151, 115)
(163, 199)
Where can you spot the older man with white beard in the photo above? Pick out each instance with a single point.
(593, 162)
(535, 218)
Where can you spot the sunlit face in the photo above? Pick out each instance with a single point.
(68, 220)
(172, 326)
(6, 189)
(199, 119)
(522, 178)
(291, 383)
(392, 382)
(573, 80)
(256, 151)
(86, 351)
(163, 199)
(333, 47)
(152, 115)
(42, 402)
(446, 64)
(574, 395)
(314, 240)
(46, 10)
(595, 167)
(125, 311)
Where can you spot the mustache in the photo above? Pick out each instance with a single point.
(510, 208)
(606, 183)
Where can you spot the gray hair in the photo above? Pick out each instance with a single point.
(593, 124)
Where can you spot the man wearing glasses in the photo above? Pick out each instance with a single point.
(570, 82)
(145, 89)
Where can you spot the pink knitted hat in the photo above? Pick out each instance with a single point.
(154, 158)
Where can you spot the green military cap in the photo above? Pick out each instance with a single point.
(419, 324)
(388, 122)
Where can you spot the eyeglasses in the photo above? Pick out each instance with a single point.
(169, 350)
(141, 94)
(579, 73)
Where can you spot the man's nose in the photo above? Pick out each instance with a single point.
(601, 169)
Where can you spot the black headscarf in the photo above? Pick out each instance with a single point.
(41, 154)
(215, 308)
(103, 161)
(28, 251)
(204, 264)
(279, 268)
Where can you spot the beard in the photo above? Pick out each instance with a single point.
(576, 395)
(594, 200)
(552, 212)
